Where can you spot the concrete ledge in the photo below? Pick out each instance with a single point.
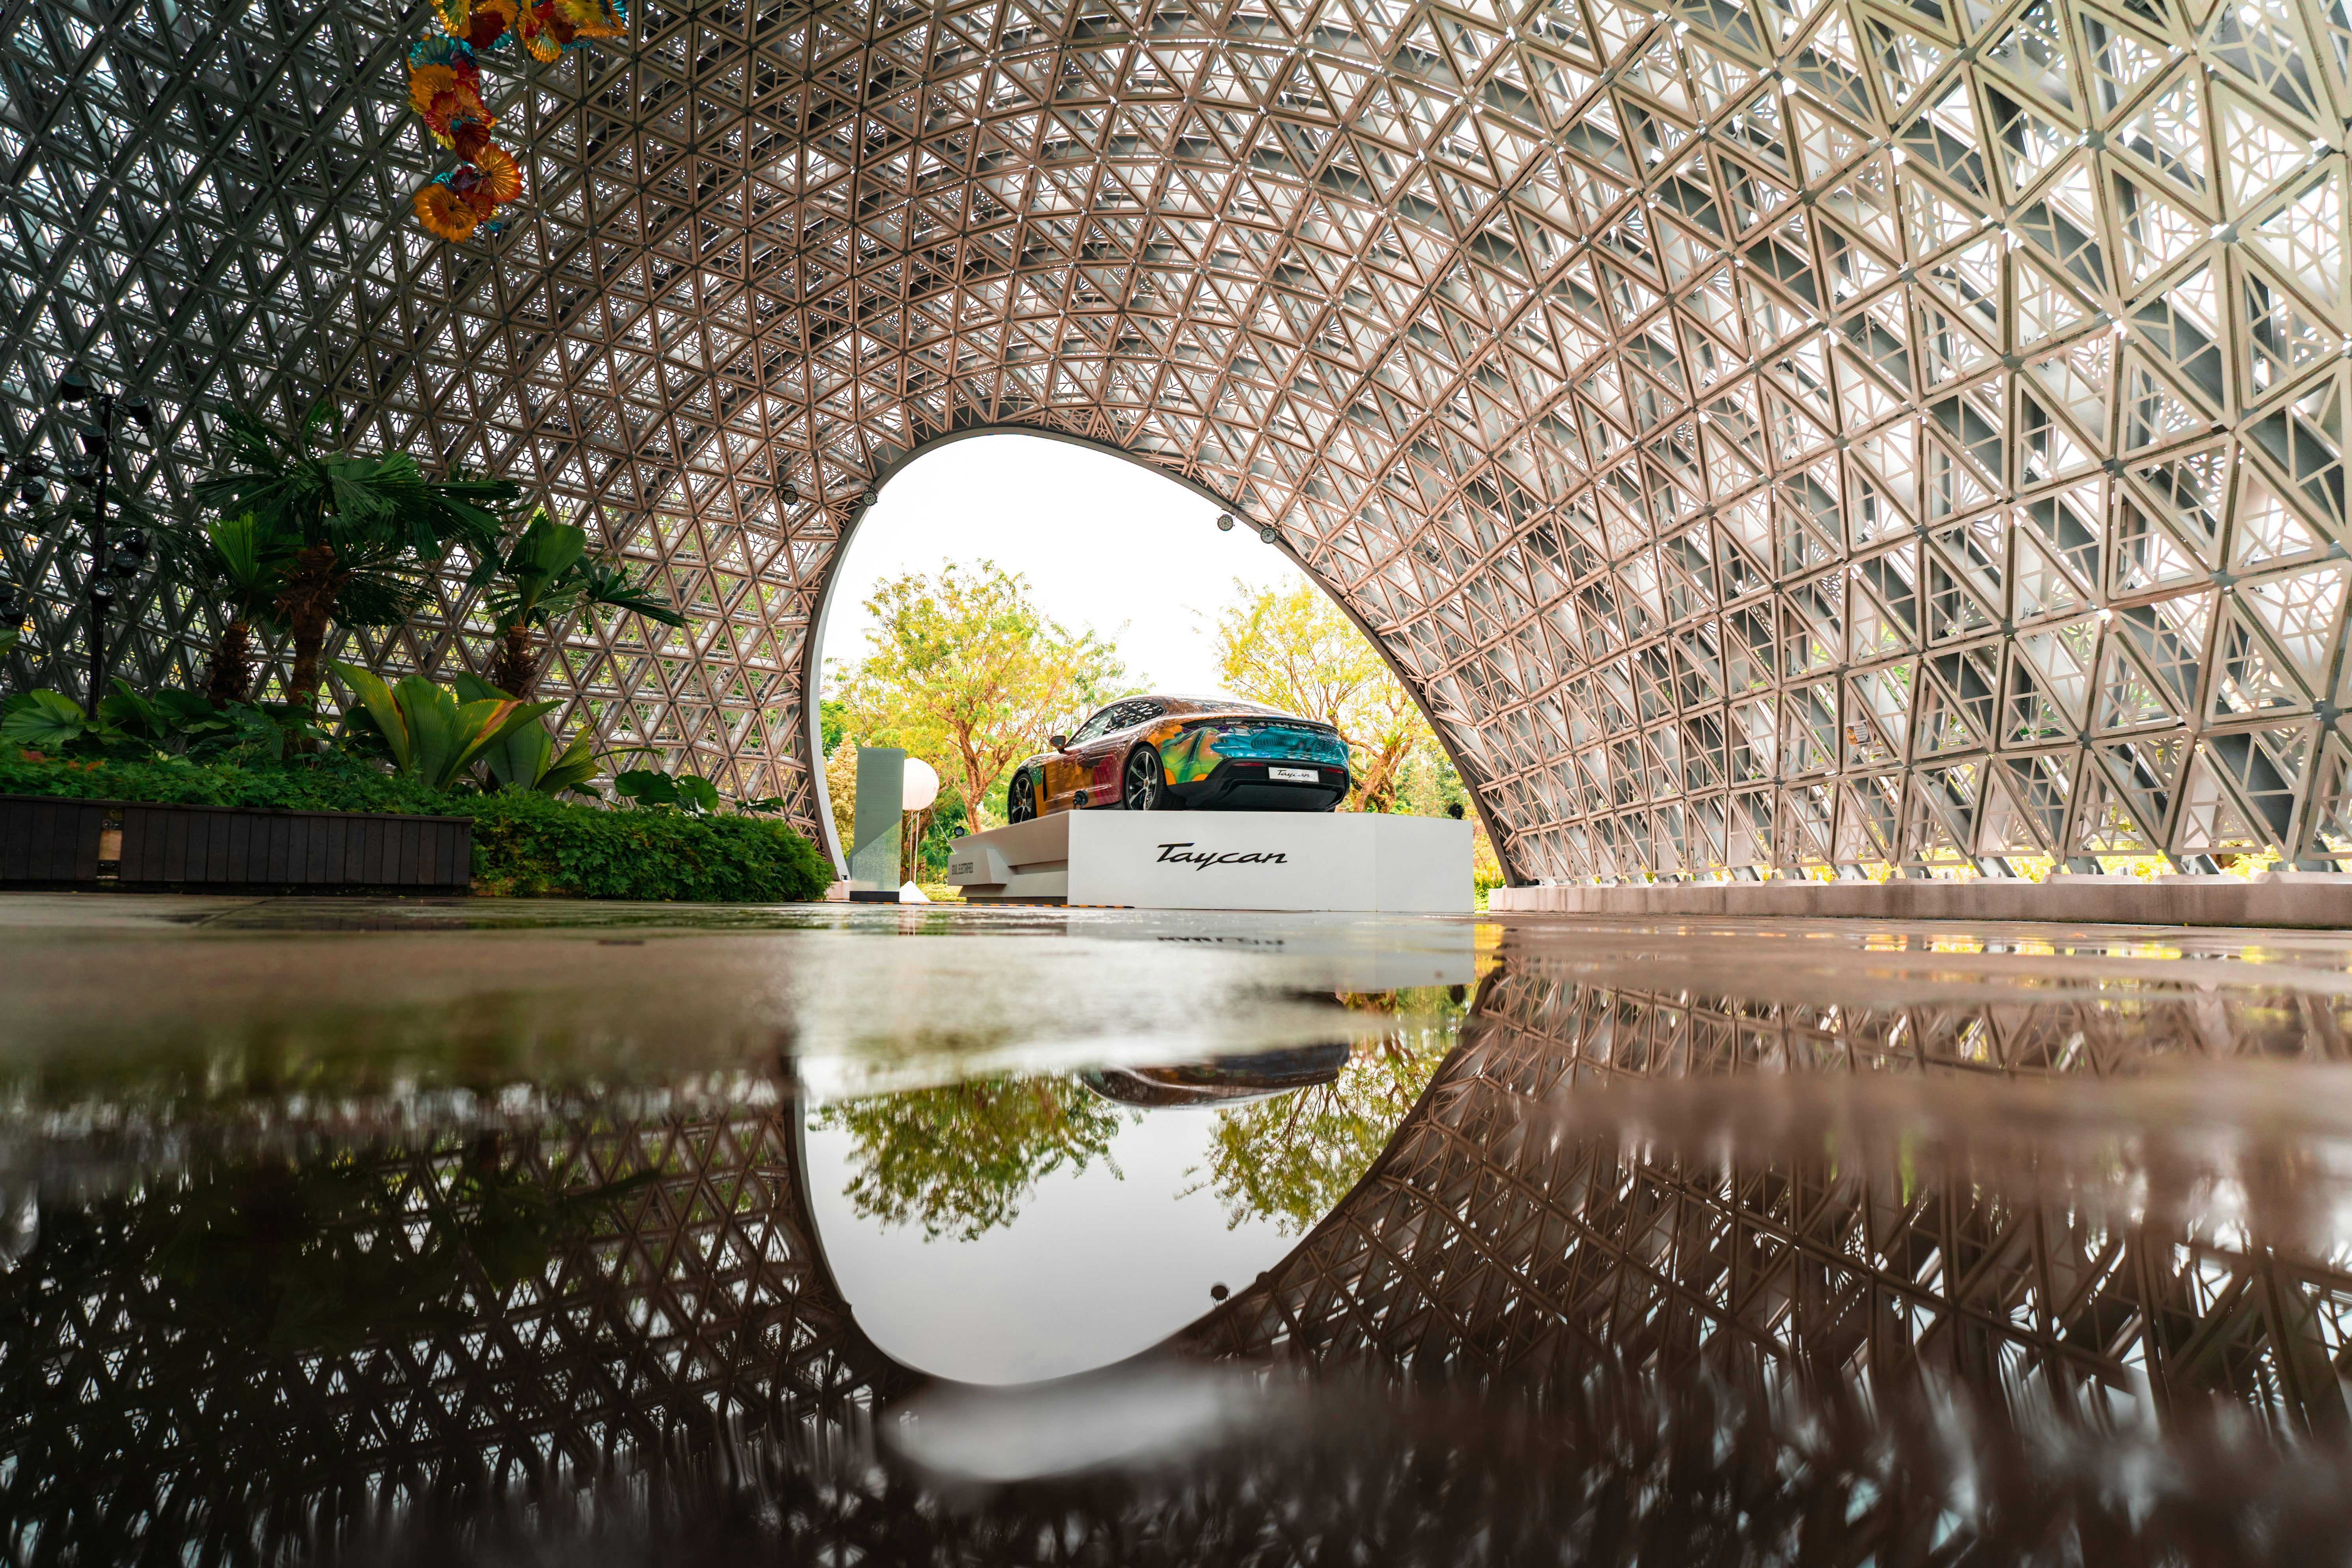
(2315, 900)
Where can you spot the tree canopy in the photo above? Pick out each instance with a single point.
(964, 671)
(1291, 1158)
(959, 1160)
(1292, 649)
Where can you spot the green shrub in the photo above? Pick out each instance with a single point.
(334, 783)
(529, 843)
(524, 844)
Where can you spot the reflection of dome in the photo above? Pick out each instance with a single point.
(1221, 1080)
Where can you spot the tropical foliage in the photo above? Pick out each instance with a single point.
(529, 844)
(362, 529)
(525, 843)
(48, 721)
(242, 560)
(651, 787)
(545, 578)
(524, 756)
(964, 671)
(432, 736)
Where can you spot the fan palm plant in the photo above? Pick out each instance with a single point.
(244, 562)
(544, 579)
(366, 528)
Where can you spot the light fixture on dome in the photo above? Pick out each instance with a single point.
(127, 557)
(1224, 522)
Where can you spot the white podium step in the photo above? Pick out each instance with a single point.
(1222, 860)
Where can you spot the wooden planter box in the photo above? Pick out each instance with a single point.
(128, 844)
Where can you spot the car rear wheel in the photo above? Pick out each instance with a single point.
(1021, 798)
(1144, 787)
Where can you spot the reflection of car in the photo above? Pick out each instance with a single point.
(1178, 753)
(1223, 1080)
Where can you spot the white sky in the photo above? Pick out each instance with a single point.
(1102, 541)
(1095, 1268)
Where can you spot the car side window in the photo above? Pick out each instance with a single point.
(1135, 711)
(1096, 727)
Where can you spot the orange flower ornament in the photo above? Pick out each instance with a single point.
(498, 178)
(445, 212)
(445, 88)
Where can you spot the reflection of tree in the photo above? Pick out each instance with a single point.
(1291, 1159)
(959, 1159)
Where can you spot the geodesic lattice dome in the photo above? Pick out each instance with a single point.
(1763, 434)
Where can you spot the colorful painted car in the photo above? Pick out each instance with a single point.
(1179, 753)
(1221, 1080)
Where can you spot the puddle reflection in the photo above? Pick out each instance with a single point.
(1174, 1182)
(1692, 1244)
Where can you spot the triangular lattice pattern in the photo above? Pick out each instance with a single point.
(1502, 1240)
(697, 1303)
(1765, 432)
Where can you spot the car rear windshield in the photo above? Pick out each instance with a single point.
(1222, 705)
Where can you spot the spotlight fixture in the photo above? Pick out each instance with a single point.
(1226, 522)
(109, 563)
(1267, 533)
(29, 475)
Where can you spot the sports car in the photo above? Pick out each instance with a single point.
(1180, 753)
(1221, 1080)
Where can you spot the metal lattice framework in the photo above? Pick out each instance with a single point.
(1499, 1238)
(687, 1363)
(1763, 432)
(701, 1300)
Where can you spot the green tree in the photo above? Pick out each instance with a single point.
(1292, 1157)
(965, 672)
(545, 578)
(242, 562)
(367, 528)
(1292, 649)
(959, 1160)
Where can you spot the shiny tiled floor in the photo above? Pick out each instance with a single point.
(524, 1231)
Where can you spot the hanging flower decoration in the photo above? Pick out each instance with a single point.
(445, 87)
(548, 27)
(481, 27)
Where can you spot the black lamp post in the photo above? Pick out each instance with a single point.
(94, 471)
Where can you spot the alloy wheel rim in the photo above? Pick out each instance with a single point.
(1142, 789)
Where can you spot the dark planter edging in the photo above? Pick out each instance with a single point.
(52, 842)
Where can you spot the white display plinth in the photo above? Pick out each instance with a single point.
(1222, 860)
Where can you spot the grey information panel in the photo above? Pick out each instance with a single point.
(881, 792)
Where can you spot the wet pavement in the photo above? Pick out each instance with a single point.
(374, 1231)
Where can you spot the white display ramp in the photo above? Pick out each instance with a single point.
(1222, 860)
